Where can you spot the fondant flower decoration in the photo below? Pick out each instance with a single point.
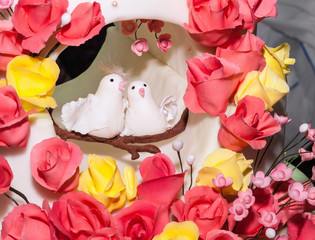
(37, 20)
(14, 124)
(310, 133)
(139, 46)
(238, 210)
(281, 172)
(219, 234)
(55, 164)
(34, 80)
(230, 164)
(187, 230)
(157, 172)
(131, 182)
(211, 83)
(301, 226)
(107, 233)
(282, 120)
(247, 197)
(155, 25)
(248, 126)
(281, 237)
(103, 181)
(313, 173)
(86, 22)
(202, 199)
(128, 27)
(263, 9)
(311, 196)
(306, 155)
(86, 217)
(164, 42)
(6, 4)
(260, 180)
(29, 217)
(6, 175)
(221, 182)
(10, 45)
(268, 219)
(3, 82)
(297, 192)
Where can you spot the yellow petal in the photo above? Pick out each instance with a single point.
(3, 82)
(131, 183)
(205, 176)
(187, 230)
(112, 203)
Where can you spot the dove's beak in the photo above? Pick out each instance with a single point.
(141, 92)
(122, 86)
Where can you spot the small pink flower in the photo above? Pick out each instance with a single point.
(281, 237)
(268, 219)
(311, 196)
(164, 42)
(139, 46)
(296, 192)
(281, 173)
(238, 210)
(221, 182)
(282, 120)
(313, 173)
(155, 26)
(260, 180)
(247, 197)
(6, 4)
(305, 155)
(128, 27)
(310, 134)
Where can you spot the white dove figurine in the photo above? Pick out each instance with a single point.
(101, 114)
(143, 116)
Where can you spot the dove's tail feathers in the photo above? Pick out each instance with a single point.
(169, 108)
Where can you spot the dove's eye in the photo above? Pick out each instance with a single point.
(144, 84)
(133, 87)
(112, 80)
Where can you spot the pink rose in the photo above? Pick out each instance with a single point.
(301, 226)
(211, 83)
(37, 20)
(157, 172)
(26, 221)
(107, 234)
(14, 124)
(6, 175)
(213, 22)
(203, 205)
(5, 4)
(86, 22)
(164, 42)
(139, 46)
(248, 46)
(248, 126)
(142, 220)
(216, 234)
(55, 164)
(78, 216)
(263, 8)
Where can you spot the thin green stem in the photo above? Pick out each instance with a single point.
(20, 194)
(12, 199)
(2, 15)
(181, 168)
(262, 156)
(191, 177)
(53, 49)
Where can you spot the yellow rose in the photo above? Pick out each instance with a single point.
(131, 182)
(34, 80)
(179, 231)
(3, 82)
(230, 164)
(103, 181)
(266, 85)
(278, 59)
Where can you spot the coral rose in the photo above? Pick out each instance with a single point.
(301, 226)
(248, 126)
(216, 234)
(14, 124)
(107, 234)
(77, 215)
(204, 206)
(211, 83)
(37, 20)
(157, 172)
(34, 80)
(187, 230)
(6, 175)
(86, 22)
(10, 44)
(26, 221)
(103, 181)
(262, 8)
(229, 163)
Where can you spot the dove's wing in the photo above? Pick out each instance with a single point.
(169, 108)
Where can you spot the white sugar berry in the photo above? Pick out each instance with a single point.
(270, 233)
(65, 19)
(303, 127)
(177, 145)
(190, 159)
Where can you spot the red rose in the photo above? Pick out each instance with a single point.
(204, 206)
(86, 22)
(107, 234)
(301, 226)
(157, 172)
(247, 126)
(211, 83)
(14, 124)
(10, 44)
(248, 46)
(77, 215)
(6, 175)
(55, 164)
(36, 20)
(222, 235)
(212, 22)
(142, 220)
(26, 221)
(263, 8)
